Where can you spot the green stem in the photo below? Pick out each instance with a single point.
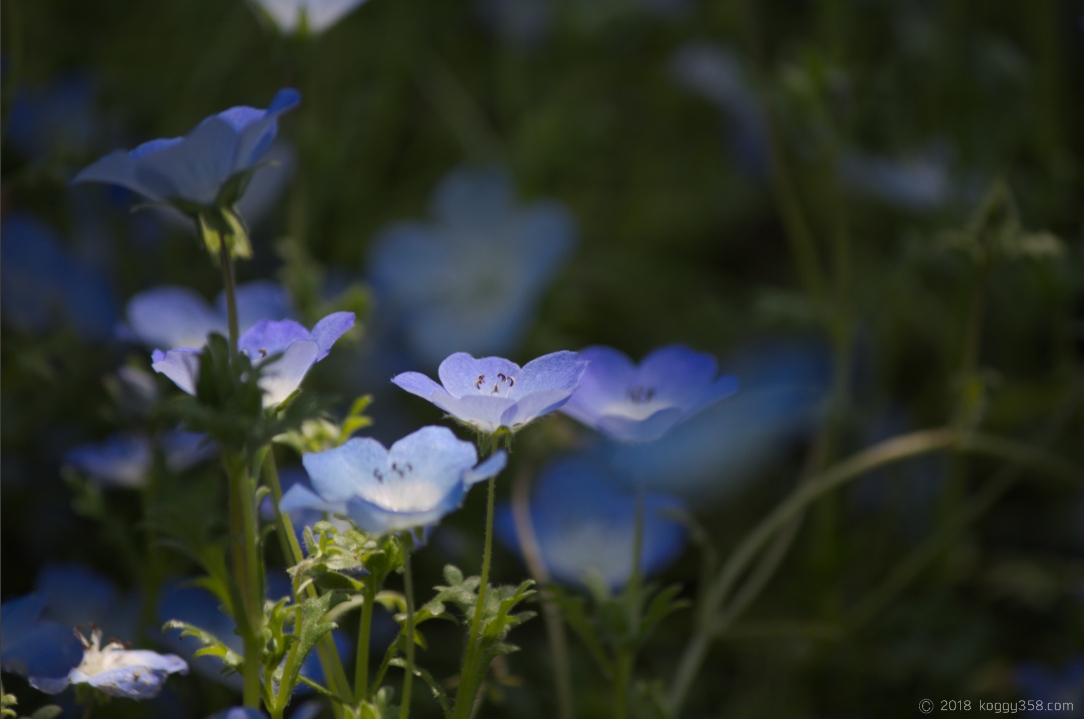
(246, 574)
(226, 260)
(622, 676)
(464, 696)
(408, 590)
(361, 661)
(892, 450)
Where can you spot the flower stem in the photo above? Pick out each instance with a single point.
(622, 676)
(361, 661)
(464, 696)
(408, 590)
(228, 282)
(246, 573)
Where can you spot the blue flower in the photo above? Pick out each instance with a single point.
(119, 672)
(639, 404)
(784, 387)
(194, 169)
(299, 348)
(77, 595)
(303, 516)
(584, 526)
(318, 15)
(917, 183)
(491, 393)
(1038, 683)
(168, 317)
(423, 477)
(42, 280)
(124, 460)
(472, 279)
(54, 121)
(238, 713)
(41, 651)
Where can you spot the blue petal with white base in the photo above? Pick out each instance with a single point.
(585, 526)
(195, 167)
(492, 392)
(631, 403)
(423, 477)
(41, 651)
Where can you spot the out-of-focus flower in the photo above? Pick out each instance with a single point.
(518, 23)
(492, 392)
(239, 713)
(297, 350)
(472, 279)
(119, 672)
(41, 651)
(77, 595)
(631, 403)
(124, 460)
(195, 169)
(783, 388)
(585, 526)
(314, 16)
(57, 121)
(715, 73)
(423, 477)
(1041, 684)
(917, 183)
(40, 281)
(169, 317)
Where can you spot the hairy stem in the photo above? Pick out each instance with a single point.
(408, 590)
(226, 260)
(468, 681)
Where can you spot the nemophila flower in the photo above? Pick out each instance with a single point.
(1039, 683)
(117, 671)
(314, 16)
(168, 317)
(41, 651)
(715, 73)
(194, 169)
(300, 517)
(124, 460)
(471, 279)
(41, 281)
(585, 526)
(784, 385)
(631, 403)
(77, 595)
(423, 477)
(493, 393)
(917, 183)
(295, 348)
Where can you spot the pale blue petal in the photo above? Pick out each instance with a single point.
(282, 376)
(270, 337)
(194, 169)
(121, 460)
(627, 429)
(119, 168)
(301, 497)
(435, 453)
(532, 406)
(485, 413)
(40, 651)
(467, 196)
(330, 329)
(373, 519)
(557, 370)
(341, 473)
(463, 375)
(418, 384)
(186, 449)
(142, 678)
(493, 466)
(257, 132)
(258, 300)
(170, 317)
(180, 365)
(606, 382)
(677, 374)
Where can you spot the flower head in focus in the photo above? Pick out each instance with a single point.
(471, 279)
(296, 349)
(492, 393)
(314, 16)
(168, 317)
(631, 403)
(423, 477)
(117, 671)
(584, 526)
(41, 651)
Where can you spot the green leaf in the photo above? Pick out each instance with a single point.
(313, 627)
(212, 645)
(438, 691)
(49, 711)
(572, 609)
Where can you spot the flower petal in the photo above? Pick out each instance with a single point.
(330, 329)
(281, 377)
(270, 337)
(301, 497)
(493, 466)
(341, 473)
(119, 168)
(463, 375)
(180, 365)
(193, 169)
(532, 406)
(627, 429)
(373, 519)
(172, 317)
(557, 370)
(606, 382)
(482, 412)
(418, 384)
(678, 374)
(435, 453)
(257, 131)
(258, 300)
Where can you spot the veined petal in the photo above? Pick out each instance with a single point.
(180, 365)
(301, 497)
(270, 337)
(341, 473)
(463, 375)
(677, 374)
(533, 406)
(194, 169)
(557, 370)
(118, 168)
(328, 330)
(374, 519)
(482, 412)
(418, 384)
(280, 378)
(493, 466)
(258, 133)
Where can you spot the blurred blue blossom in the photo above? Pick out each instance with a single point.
(784, 385)
(471, 280)
(41, 281)
(296, 348)
(319, 15)
(1039, 683)
(41, 651)
(715, 73)
(491, 392)
(196, 167)
(168, 317)
(58, 120)
(631, 403)
(238, 713)
(917, 183)
(124, 460)
(585, 526)
(423, 477)
(118, 672)
(76, 595)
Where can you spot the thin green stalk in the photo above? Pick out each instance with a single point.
(226, 260)
(408, 590)
(622, 676)
(246, 575)
(889, 451)
(464, 695)
(361, 661)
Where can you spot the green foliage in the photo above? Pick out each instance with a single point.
(346, 559)
(497, 618)
(212, 645)
(320, 434)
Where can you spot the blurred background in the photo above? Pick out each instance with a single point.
(868, 210)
